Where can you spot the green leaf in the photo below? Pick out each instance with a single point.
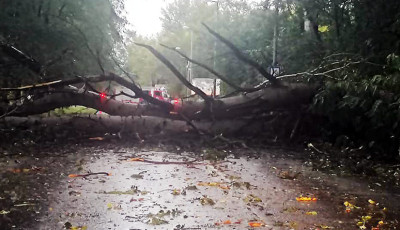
(323, 29)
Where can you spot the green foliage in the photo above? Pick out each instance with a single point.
(367, 110)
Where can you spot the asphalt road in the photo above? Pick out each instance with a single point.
(150, 188)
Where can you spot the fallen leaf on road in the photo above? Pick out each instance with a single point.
(89, 174)
(252, 199)
(208, 183)
(324, 226)
(136, 159)
(255, 224)
(371, 202)
(312, 213)
(291, 225)
(96, 138)
(157, 221)
(176, 192)
(224, 187)
(349, 206)
(213, 184)
(305, 198)
(140, 199)
(288, 175)
(4, 212)
(128, 192)
(240, 184)
(205, 200)
(78, 228)
(290, 209)
(366, 218)
(225, 222)
(231, 177)
(113, 206)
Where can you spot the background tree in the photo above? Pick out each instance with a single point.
(65, 37)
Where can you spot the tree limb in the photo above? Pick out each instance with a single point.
(22, 58)
(97, 78)
(176, 72)
(209, 69)
(242, 57)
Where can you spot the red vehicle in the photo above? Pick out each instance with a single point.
(160, 94)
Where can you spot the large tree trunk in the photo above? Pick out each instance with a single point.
(287, 96)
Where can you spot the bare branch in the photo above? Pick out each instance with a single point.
(123, 70)
(209, 69)
(22, 58)
(242, 56)
(9, 112)
(176, 72)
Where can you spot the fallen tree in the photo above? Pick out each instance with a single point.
(248, 103)
(57, 95)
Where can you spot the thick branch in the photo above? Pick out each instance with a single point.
(176, 72)
(22, 58)
(209, 69)
(242, 57)
(65, 98)
(98, 78)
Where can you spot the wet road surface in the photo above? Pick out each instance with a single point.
(150, 188)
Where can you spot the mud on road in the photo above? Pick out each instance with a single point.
(152, 187)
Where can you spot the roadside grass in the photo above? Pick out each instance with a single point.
(72, 110)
